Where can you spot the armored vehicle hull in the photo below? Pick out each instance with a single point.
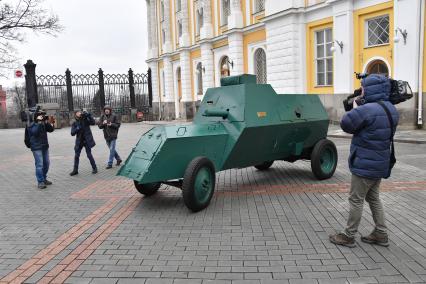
(239, 124)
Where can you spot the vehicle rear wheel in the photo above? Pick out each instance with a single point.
(264, 166)
(324, 159)
(198, 184)
(147, 189)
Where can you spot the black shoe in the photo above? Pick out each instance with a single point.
(94, 171)
(41, 185)
(119, 162)
(47, 182)
(73, 173)
(108, 167)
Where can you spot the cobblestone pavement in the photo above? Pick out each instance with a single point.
(261, 227)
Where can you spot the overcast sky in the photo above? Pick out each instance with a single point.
(107, 34)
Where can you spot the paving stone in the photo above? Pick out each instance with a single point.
(261, 227)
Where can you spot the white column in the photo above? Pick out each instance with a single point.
(168, 83)
(185, 67)
(167, 46)
(235, 19)
(152, 29)
(235, 41)
(207, 60)
(153, 65)
(343, 59)
(406, 54)
(207, 28)
(285, 51)
(185, 39)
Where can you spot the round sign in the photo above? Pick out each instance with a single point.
(18, 73)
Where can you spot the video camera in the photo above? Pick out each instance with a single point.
(31, 114)
(349, 101)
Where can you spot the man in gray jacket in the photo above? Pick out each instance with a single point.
(110, 123)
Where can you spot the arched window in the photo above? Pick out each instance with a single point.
(225, 71)
(163, 83)
(179, 83)
(226, 11)
(378, 67)
(200, 20)
(259, 6)
(260, 65)
(199, 79)
(179, 28)
(163, 35)
(162, 11)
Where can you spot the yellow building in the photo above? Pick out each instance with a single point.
(298, 46)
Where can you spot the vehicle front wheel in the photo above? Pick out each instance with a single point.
(264, 166)
(147, 189)
(198, 184)
(324, 159)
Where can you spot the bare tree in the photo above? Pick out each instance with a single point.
(18, 18)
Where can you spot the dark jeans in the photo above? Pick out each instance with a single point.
(42, 162)
(112, 152)
(89, 156)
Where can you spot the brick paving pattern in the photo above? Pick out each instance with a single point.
(261, 227)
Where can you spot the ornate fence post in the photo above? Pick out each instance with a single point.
(69, 90)
(133, 109)
(149, 87)
(31, 83)
(101, 88)
(132, 89)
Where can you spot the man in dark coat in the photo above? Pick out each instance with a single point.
(110, 123)
(40, 146)
(369, 158)
(83, 139)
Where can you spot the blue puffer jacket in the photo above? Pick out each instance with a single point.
(369, 124)
(38, 135)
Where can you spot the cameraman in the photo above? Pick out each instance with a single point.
(369, 159)
(40, 145)
(83, 138)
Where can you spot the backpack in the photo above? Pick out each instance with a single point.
(400, 91)
(27, 138)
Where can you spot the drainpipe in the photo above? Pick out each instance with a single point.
(420, 66)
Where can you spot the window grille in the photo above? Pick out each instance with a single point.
(260, 66)
(259, 6)
(378, 31)
(226, 11)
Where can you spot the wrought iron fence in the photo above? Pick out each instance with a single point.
(123, 92)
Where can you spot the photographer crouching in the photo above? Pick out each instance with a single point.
(83, 139)
(39, 145)
(372, 121)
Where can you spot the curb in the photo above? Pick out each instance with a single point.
(398, 140)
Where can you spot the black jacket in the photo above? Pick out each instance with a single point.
(38, 135)
(110, 132)
(81, 129)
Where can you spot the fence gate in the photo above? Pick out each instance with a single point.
(123, 92)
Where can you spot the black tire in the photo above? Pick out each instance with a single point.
(324, 159)
(264, 166)
(197, 196)
(147, 189)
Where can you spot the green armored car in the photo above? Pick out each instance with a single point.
(239, 124)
